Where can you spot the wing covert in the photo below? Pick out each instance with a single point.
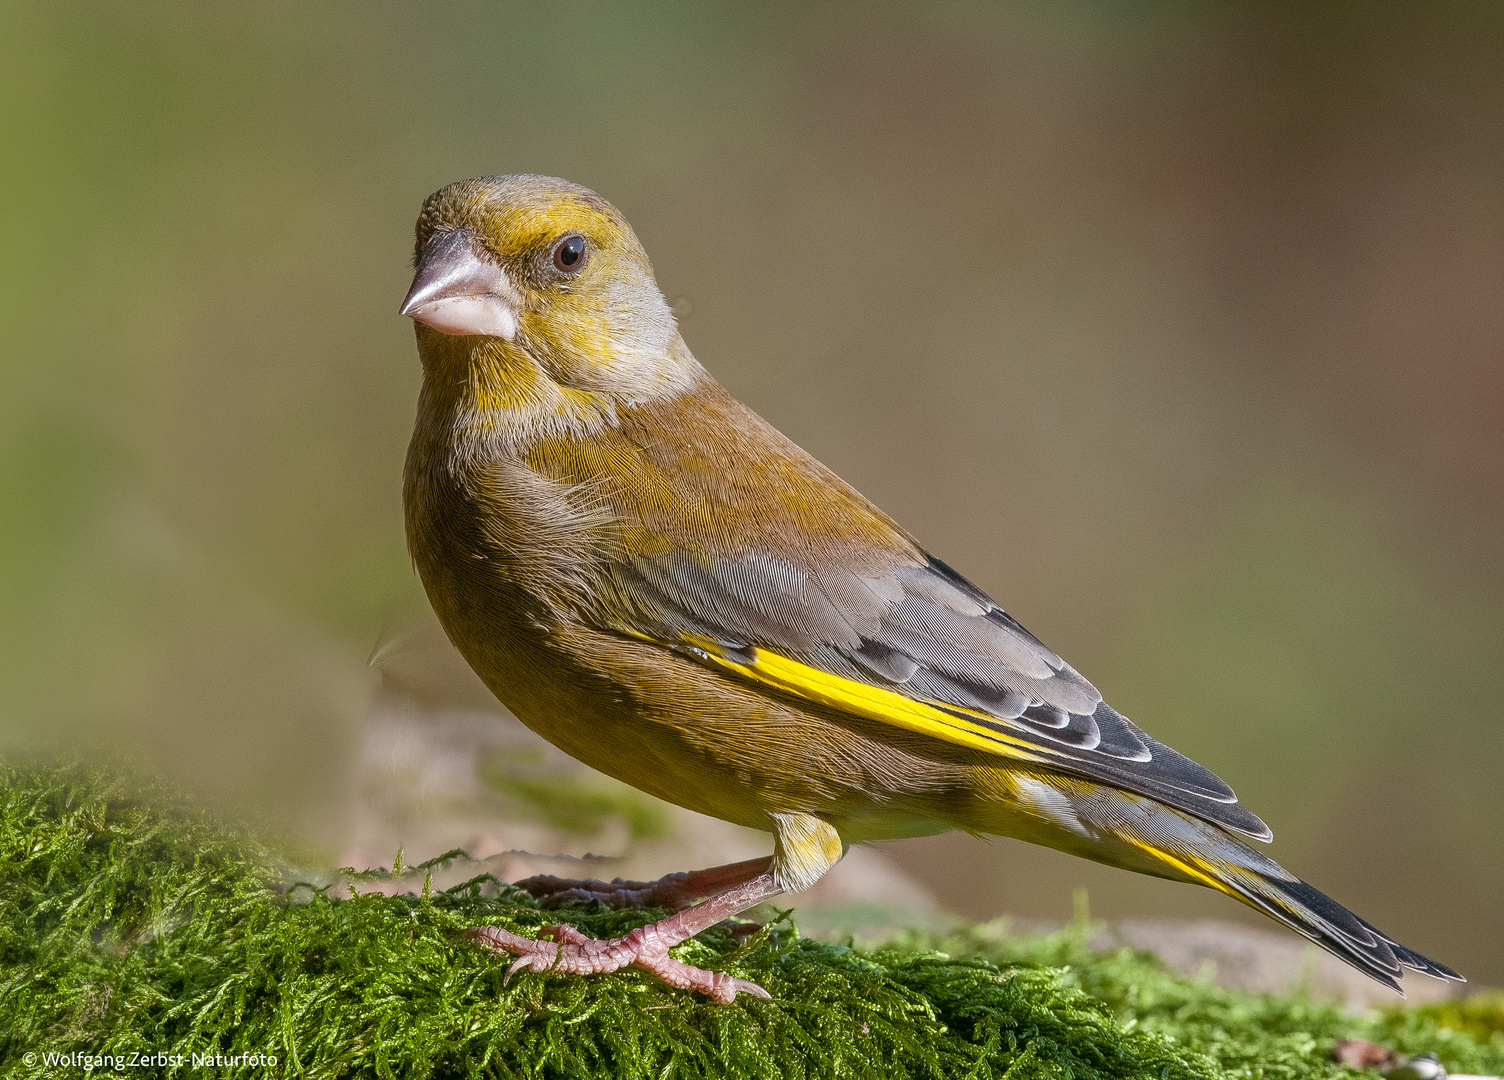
(916, 645)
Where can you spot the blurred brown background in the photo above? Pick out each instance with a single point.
(1179, 327)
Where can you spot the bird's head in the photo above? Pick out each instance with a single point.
(534, 272)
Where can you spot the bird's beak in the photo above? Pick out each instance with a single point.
(457, 291)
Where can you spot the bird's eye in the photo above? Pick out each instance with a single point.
(569, 256)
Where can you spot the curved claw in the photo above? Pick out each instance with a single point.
(535, 955)
(742, 986)
(521, 962)
(713, 984)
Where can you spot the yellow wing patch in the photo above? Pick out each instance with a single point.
(951, 723)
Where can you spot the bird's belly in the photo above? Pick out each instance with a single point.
(695, 737)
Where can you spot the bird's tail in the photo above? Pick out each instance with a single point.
(1313, 914)
(1138, 833)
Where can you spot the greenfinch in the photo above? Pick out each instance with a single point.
(657, 581)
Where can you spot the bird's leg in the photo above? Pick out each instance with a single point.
(646, 947)
(673, 891)
(804, 847)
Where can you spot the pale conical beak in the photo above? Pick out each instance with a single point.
(457, 291)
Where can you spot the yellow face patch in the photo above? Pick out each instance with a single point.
(599, 324)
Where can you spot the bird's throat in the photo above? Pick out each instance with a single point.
(488, 392)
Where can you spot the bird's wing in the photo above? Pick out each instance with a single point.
(913, 645)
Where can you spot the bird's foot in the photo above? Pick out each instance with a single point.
(571, 952)
(675, 892)
(647, 947)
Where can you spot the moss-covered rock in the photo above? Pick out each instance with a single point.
(131, 922)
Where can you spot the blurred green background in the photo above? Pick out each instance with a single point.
(1179, 327)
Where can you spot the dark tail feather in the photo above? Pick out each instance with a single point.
(1194, 849)
(1314, 915)
(1140, 833)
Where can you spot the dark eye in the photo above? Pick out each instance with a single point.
(569, 256)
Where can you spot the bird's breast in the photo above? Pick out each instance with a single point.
(517, 542)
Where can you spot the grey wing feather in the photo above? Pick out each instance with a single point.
(924, 631)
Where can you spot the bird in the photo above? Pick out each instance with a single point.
(656, 580)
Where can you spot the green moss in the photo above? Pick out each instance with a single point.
(1266, 1036)
(1477, 1020)
(1481, 1016)
(131, 922)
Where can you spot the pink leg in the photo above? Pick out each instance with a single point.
(646, 947)
(675, 891)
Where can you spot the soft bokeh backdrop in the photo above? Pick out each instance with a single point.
(1179, 327)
